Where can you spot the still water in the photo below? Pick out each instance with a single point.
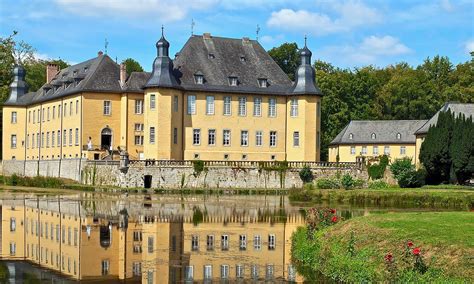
(108, 238)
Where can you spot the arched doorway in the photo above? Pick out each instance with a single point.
(106, 138)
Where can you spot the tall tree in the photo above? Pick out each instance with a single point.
(131, 65)
(287, 57)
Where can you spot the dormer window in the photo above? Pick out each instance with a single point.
(211, 56)
(242, 59)
(233, 81)
(199, 78)
(399, 136)
(373, 136)
(262, 82)
(74, 73)
(86, 69)
(351, 136)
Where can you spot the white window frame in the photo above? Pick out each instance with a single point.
(296, 139)
(271, 242)
(375, 150)
(194, 242)
(386, 150)
(107, 108)
(196, 136)
(13, 141)
(227, 105)
(152, 135)
(210, 105)
(210, 240)
(224, 271)
(294, 107)
(259, 138)
(244, 138)
(152, 101)
(239, 271)
(226, 137)
(353, 150)
(257, 106)
(273, 138)
(224, 242)
(364, 150)
(139, 106)
(257, 242)
(211, 137)
(189, 273)
(403, 150)
(191, 102)
(242, 106)
(242, 242)
(14, 117)
(272, 107)
(176, 103)
(207, 273)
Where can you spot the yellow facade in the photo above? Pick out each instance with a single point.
(350, 153)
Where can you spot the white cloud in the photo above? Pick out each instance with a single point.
(164, 10)
(350, 14)
(386, 45)
(41, 56)
(469, 46)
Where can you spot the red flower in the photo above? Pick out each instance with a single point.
(388, 257)
(410, 244)
(416, 251)
(334, 219)
(333, 211)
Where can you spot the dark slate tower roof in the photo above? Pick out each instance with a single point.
(18, 87)
(162, 73)
(305, 77)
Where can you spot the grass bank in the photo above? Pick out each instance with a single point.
(355, 250)
(391, 197)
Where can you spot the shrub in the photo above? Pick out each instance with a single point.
(308, 186)
(299, 194)
(347, 181)
(328, 183)
(198, 166)
(400, 166)
(412, 178)
(378, 184)
(306, 175)
(376, 171)
(359, 183)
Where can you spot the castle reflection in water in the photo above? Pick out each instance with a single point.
(152, 239)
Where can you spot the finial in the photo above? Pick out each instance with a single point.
(305, 38)
(192, 26)
(162, 30)
(258, 31)
(106, 44)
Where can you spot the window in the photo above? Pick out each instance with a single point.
(107, 108)
(151, 243)
(242, 242)
(137, 268)
(59, 111)
(258, 138)
(29, 116)
(76, 137)
(138, 106)
(353, 150)
(242, 59)
(47, 139)
(351, 136)
(211, 137)
(399, 136)
(225, 242)
(273, 138)
(210, 105)
(105, 267)
(195, 242)
(210, 242)
(139, 127)
(244, 138)
(77, 106)
(150, 279)
(188, 273)
(226, 137)
(191, 104)
(12, 248)
(294, 108)
(227, 106)
(242, 106)
(224, 271)
(69, 235)
(152, 135)
(52, 234)
(34, 116)
(386, 150)
(63, 233)
(70, 137)
(14, 117)
(57, 233)
(233, 81)
(75, 236)
(196, 136)
(175, 135)
(175, 103)
(54, 112)
(12, 224)
(138, 140)
(262, 83)
(257, 106)
(272, 107)
(42, 140)
(269, 272)
(373, 136)
(199, 79)
(13, 141)
(403, 150)
(239, 271)
(59, 138)
(271, 242)
(137, 236)
(207, 272)
(364, 150)
(152, 102)
(257, 242)
(53, 136)
(70, 108)
(42, 115)
(254, 271)
(33, 141)
(296, 139)
(375, 150)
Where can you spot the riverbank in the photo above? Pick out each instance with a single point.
(371, 248)
(461, 198)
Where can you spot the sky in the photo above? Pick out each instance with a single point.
(347, 34)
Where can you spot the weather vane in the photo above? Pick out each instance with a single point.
(162, 30)
(305, 38)
(192, 26)
(106, 43)
(258, 31)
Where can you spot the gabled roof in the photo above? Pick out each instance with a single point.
(385, 132)
(456, 108)
(219, 58)
(136, 81)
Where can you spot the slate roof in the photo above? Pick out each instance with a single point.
(219, 58)
(457, 108)
(136, 81)
(385, 131)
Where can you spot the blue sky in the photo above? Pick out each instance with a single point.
(345, 33)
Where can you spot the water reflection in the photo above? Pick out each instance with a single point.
(151, 239)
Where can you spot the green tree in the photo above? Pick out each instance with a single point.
(287, 57)
(462, 150)
(131, 65)
(36, 72)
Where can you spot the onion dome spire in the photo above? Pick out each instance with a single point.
(305, 77)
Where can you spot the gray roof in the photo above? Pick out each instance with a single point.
(385, 132)
(99, 74)
(457, 108)
(219, 58)
(136, 81)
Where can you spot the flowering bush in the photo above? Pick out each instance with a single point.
(317, 219)
(411, 257)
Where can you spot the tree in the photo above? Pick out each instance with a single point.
(131, 65)
(36, 72)
(287, 57)
(462, 150)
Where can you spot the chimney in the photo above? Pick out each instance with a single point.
(123, 74)
(99, 53)
(51, 71)
(206, 35)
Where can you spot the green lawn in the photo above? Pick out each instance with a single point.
(445, 238)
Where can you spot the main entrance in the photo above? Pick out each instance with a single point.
(106, 138)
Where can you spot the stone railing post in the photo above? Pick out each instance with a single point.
(124, 161)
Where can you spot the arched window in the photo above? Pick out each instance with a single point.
(373, 136)
(351, 136)
(399, 136)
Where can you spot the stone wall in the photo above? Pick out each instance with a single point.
(212, 177)
(66, 168)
